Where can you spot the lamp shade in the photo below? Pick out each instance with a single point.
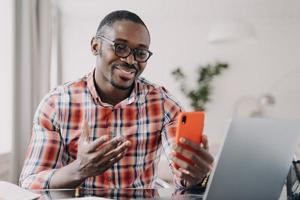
(231, 31)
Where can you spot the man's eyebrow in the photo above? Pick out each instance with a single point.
(126, 41)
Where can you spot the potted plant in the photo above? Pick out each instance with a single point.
(201, 94)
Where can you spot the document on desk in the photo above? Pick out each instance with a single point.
(86, 198)
(9, 191)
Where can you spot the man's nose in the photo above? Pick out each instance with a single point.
(130, 59)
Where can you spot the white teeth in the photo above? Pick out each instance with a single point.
(126, 70)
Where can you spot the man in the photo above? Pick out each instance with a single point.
(107, 129)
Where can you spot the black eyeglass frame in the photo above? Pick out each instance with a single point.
(132, 50)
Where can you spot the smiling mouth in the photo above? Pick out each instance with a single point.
(126, 73)
(126, 70)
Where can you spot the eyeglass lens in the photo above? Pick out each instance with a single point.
(141, 55)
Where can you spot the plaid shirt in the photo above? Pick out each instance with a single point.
(147, 118)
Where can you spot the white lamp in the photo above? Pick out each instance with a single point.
(231, 31)
(250, 106)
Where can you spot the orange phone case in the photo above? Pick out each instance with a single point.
(190, 126)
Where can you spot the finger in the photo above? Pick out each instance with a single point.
(200, 150)
(112, 154)
(118, 157)
(183, 164)
(176, 172)
(193, 145)
(108, 146)
(180, 173)
(198, 161)
(197, 171)
(111, 162)
(123, 146)
(97, 143)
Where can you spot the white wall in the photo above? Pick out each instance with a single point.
(179, 31)
(6, 72)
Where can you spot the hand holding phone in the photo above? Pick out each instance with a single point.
(190, 126)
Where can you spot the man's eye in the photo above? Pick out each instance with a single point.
(121, 47)
(141, 53)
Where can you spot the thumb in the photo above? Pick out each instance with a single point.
(85, 132)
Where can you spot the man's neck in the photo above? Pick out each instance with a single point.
(110, 94)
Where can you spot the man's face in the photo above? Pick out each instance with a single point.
(121, 72)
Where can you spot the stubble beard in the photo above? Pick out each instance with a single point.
(119, 86)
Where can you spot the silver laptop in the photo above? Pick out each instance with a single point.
(254, 160)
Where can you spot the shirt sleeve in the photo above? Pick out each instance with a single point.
(171, 112)
(45, 146)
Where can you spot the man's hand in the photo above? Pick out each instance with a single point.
(202, 160)
(95, 157)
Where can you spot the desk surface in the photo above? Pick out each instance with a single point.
(121, 193)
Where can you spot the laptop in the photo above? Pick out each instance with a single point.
(254, 160)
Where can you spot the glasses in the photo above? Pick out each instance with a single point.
(123, 51)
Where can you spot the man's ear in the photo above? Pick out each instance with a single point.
(95, 46)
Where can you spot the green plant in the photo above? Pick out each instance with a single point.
(200, 95)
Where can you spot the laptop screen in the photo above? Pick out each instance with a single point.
(254, 160)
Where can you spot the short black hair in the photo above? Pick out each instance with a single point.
(119, 15)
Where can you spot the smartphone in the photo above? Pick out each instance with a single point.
(190, 126)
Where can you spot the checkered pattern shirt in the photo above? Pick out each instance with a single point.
(147, 118)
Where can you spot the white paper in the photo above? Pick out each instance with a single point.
(87, 198)
(9, 191)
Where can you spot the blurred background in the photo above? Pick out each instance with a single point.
(45, 43)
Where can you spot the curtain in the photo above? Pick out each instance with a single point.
(33, 57)
(41, 48)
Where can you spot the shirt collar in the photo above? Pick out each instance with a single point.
(92, 88)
